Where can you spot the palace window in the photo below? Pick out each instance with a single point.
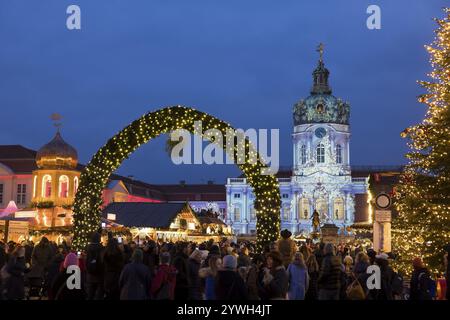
(237, 214)
(63, 187)
(304, 209)
(21, 193)
(320, 153)
(237, 195)
(47, 186)
(1, 192)
(322, 208)
(338, 153)
(286, 211)
(34, 186)
(252, 213)
(338, 209)
(285, 196)
(303, 154)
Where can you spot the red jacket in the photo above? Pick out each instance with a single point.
(165, 274)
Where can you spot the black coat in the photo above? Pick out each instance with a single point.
(194, 280)
(15, 286)
(419, 285)
(180, 262)
(62, 292)
(134, 282)
(230, 286)
(94, 263)
(113, 265)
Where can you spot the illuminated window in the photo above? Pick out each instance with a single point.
(63, 187)
(320, 153)
(252, 213)
(237, 214)
(47, 186)
(21, 193)
(75, 185)
(338, 154)
(34, 186)
(304, 209)
(338, 209)
(322, 208)
(286, 212)
(303, 154)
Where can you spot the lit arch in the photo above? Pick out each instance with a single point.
(108, 158)
(75, 185)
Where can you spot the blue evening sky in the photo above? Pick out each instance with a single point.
(246, 62)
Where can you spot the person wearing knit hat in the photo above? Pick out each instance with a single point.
(229, 284)
(421, 286)
(229, 262)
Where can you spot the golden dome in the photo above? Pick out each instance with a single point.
(57, 154)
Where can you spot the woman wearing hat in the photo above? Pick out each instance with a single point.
(275, 279)
(287, 247)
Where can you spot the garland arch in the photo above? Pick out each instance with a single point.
(93, 179)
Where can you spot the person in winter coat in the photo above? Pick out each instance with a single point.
(208, 275)
(180, 262)
(54, 269)
(151, 259)
(313, 275)
(229, 284)
(94, 268)
(243, 258)
(275, 279)
(113, 261)
(40, 259)
(134, 281)
(255, 277)
(194, 262)
(59, 288)
(164, 282)
(329, 280)
(286, 247)
(387, 276)
(298, 278)
(419, 281)
(16, 268)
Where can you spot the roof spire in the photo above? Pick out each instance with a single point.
(320, 75)
(56, 118)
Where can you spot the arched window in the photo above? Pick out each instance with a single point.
(47, 186)
(75, 185)
(320, 153)
(63, 187)
(322, 208)
(252, 213)
(304, 209)
(34, 186)
(338, 153)
(303, 154)
(338, 209)
(285, 214)
(237, 214)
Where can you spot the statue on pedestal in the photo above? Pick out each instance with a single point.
(315, 221)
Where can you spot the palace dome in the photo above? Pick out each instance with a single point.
(57, 154)
(321, 106)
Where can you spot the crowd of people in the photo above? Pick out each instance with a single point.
(203, 271)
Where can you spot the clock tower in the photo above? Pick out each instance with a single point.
(321, 142)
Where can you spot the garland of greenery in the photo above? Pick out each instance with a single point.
(95, 176)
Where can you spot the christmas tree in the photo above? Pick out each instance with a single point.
(422, 228)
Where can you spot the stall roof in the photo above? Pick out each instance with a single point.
(144, 214)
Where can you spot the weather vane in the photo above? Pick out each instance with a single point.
(56, 118)
(320, 50)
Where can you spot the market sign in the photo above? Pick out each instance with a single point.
(383, 215)
(25, 214)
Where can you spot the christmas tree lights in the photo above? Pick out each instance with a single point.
(422, 228)
(93, 179)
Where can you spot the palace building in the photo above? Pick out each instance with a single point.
(321, 177)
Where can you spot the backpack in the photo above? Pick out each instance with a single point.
(430, 285)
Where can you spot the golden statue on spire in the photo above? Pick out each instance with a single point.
(320, 48)
(56, 118)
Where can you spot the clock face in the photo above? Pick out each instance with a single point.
(320, 132)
